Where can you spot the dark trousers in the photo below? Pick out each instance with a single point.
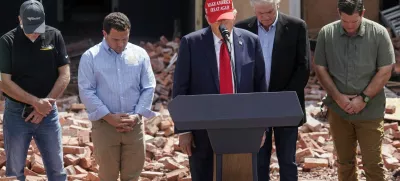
(285, 143)
(202, 159)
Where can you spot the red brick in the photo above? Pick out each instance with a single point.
(274, 167)
(65, 140)
(86, 161)
(169, 146)
(149, 156)
(77, 177)
(301, 154)
(313, 124)
(170, 163)
(307, 142)
(394, 126)
(73, 141)
(151, 147)
(80, 170)
(62, 120)
(321, 141)
(185, 179)
(8, 178)
(28, 161)
(2, 158)
(83, 137)
(30, 172)
(144, 179)
(396, 144)
(159, 141)
(169, 131)
(179, 173)
(387, 140)
(160, 134)
(35, 178)
(94, 167)
(313, 97)
(77, 131)
(388, 150)
(77, 107)
(316, 135)
(310, 163)
(91, 176)
(90, 145)
(396, 134)
(176, 145)
(70, 170)
(182, 159)
(37, 164)
(390, 109)
(82, 123)
(165, 125)
(153, 166)
(151, 174)
(71, 159)
(73, 150)
(152, 124)
(391, 162)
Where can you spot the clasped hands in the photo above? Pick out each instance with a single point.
(352, 104)
(42, 107)
(123, 122)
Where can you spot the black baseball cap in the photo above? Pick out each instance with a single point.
(32, 16)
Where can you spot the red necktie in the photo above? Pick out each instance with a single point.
(225, 71)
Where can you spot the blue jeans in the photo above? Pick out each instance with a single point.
(18, 135)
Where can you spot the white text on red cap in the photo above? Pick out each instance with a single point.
(217, 3)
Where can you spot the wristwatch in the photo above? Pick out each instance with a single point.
(365, 97)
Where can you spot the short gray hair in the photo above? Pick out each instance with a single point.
(253, 2)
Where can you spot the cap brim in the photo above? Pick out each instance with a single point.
(227, 15)
(30, 29)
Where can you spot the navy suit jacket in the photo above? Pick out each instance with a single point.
(196, 70)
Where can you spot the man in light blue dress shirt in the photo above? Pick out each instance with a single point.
(116, 84)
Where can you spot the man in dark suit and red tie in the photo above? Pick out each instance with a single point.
(204, 67)
(285, 47)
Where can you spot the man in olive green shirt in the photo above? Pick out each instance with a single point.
(353, 59)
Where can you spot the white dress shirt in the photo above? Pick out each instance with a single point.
(217, 45)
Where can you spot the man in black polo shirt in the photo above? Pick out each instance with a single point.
(34, 70)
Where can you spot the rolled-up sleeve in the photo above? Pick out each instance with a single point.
(147, 86)
(87, 89)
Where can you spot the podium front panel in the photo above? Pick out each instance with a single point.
(235, 141)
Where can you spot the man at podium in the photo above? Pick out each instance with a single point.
(204, 66)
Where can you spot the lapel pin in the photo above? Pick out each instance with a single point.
(240, 43)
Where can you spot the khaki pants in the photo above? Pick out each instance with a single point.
(118, 152)
(369, 134)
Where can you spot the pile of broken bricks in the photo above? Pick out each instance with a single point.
(164, 159)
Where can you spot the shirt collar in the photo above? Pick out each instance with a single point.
(273, 24)
(107, 47)
(361, 29)
(217, 41)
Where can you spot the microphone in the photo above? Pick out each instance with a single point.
(224, 32)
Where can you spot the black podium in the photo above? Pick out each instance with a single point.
(236, 122)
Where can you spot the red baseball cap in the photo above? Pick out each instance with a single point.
(219, 9)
